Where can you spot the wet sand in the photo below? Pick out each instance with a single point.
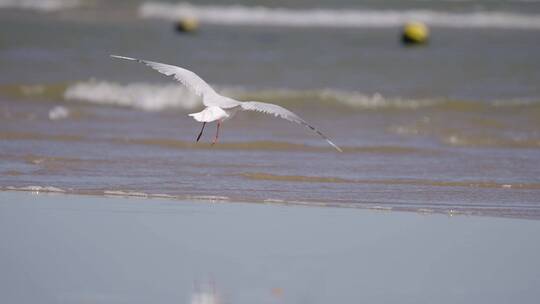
(58, 248)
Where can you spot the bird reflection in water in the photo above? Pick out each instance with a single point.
(205, 294)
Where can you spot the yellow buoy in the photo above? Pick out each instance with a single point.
(187, 25)
(415, 33)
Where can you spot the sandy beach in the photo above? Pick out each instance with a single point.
(59, 248)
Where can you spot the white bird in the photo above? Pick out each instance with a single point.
(218, 107)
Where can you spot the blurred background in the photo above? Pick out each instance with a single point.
(479, 50)
(449, 125)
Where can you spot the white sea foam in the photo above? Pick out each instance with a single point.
(357, 18)
(125, 193)
(212, 198)
(58, 113)
(331, 96)
(36, 189)
(164, 196)
(148, 97)
(274, 201)
(40, 5)
(158, 97)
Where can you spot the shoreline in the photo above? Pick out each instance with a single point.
(379, 207)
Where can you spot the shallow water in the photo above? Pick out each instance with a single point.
(452, 127)
(65, 248)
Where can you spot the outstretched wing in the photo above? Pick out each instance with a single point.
(186, 77)
(278, 111)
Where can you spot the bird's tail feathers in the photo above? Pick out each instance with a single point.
(209, 114)
(199, 116)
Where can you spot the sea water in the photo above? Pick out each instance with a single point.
(452, 126)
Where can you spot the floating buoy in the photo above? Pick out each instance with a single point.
(187, 25)
(415, 33)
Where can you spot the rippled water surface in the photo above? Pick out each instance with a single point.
(451, 127)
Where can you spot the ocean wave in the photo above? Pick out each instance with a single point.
(330, 97)
(35, 189)
(353, 18)
(40, 5)
(159, 97)
(516, 211)
(156, 97)
(116, 193)
(149, 97)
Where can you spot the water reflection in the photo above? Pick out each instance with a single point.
(205, 293)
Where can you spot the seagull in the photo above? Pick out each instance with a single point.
(218, 107)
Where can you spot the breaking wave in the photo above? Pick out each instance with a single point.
(149, 97)
(40, 5)
(353, 18)
(159, 97)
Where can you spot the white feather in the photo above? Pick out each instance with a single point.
(191, 80)
(210, 114)
(279, 111)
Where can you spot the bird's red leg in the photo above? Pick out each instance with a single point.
(217, 133)
(202, 129)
